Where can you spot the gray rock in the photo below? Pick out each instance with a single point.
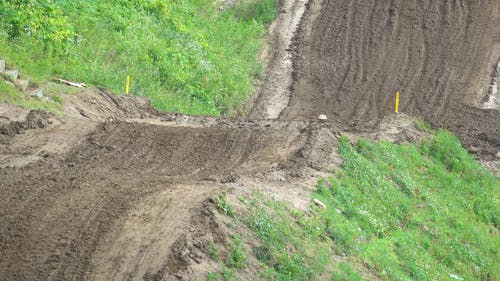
(11, 74)
(2, 65)
(37, 93)
(22, 84)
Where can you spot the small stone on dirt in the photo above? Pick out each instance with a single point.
(474, 149)
(322, 117)
(319, 204)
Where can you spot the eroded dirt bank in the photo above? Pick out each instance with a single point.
(352, 56)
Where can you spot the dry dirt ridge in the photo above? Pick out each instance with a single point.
(117, 191)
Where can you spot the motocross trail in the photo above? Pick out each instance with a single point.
(351, 57)
(114, 190)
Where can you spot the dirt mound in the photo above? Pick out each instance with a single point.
(352, 56)
(106, 207)
(34, 120)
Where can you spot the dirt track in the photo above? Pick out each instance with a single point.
(352, 56)
(84, 197)
(110, 191)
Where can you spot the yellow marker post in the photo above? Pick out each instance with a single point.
(397, 102)
(127, 86)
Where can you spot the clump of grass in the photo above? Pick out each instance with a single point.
(212, 276)
(292, 245)
(11, 95)
(344, 272)
(212, 250)
(236, 254)
(422, 125)
(186, 56)
(224, 206)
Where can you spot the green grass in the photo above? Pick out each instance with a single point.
(224, 206)
(11, 95)
(186, 56)
(422, 125)
(426, 211)
(236, 254)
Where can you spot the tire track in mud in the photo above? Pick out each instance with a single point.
(351, 56)
(103, 209)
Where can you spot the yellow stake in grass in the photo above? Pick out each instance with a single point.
(397, 102)
(127, 86)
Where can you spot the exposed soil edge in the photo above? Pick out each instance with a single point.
(274, 92)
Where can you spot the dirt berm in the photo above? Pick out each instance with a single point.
(103, 192)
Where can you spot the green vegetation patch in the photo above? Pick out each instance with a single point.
(186, 56)
(11, 95)
(400, 212)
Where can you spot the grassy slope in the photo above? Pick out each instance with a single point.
(400, 212)
(186, 56)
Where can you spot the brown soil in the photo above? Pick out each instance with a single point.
(105, 191)
(114, 190)
(352, 56)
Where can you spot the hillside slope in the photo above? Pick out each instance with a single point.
(352, 56)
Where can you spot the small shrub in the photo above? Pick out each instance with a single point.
(212, 250)
(236, 254)
(213, 276)
(224, 206)
(422, 125)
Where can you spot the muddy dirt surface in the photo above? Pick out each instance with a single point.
(104, 191)
(114, 190)
(352, 56)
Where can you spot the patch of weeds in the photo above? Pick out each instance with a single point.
(11, 95)
(57, 99)
(224, 206)
(422, 125)
(213, 276)
(212, 250)
(291, 244)
(227, 274)
(344, 272)
(236, 254)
